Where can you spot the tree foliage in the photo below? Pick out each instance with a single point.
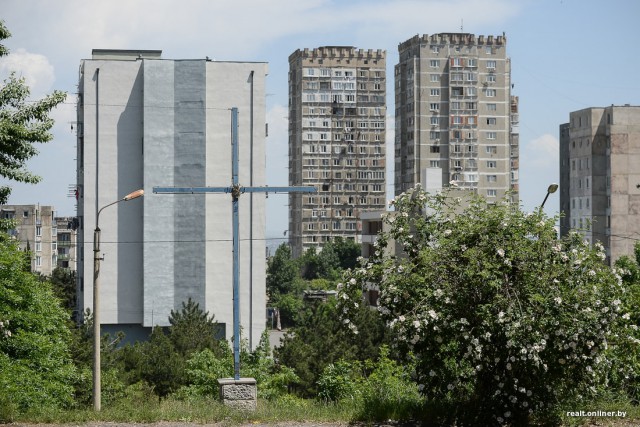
(320, 339)
(192, 329)
(22, 124)
(35, 365)
(505, 319)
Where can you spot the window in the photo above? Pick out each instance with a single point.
(434, 121)
(38, 230)
(435, 92)
(491, 149)
(471, 62)
(434, 106)
(435, 63)
(456, 120)
(491, 78)
(38, 261)
(491, 164)
(434, 149)
(491, 64)
(491, 121)
(491, 93)
(435, 49)
(491, 135)
(492, 107)
(38, 246)
(435, 77)
(434, 134)
(492, 178)
(492, 193)
(434, 164)
(472, 91)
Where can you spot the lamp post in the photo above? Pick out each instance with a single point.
(96, 300)
(550, 190)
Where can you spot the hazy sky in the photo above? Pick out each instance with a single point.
(566, 55)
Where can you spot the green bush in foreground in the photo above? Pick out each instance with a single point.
(35, 365)
(505, 320)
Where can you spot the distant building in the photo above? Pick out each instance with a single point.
(67, 242)
(456, 119)
(600, 177)
(36, 230)
(148, 121)
(337, 140)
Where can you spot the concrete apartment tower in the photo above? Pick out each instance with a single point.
(36, 231)
(456, 120)
(143, 122)
(600, 177)
(337, 110)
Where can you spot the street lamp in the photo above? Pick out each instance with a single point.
(96, 300)
(550, 190)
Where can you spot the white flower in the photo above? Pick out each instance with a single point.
(401, 318)
(507, 414)
(591, 273)
(500, 252)
(447, 232)
(416, 324)
(352, 281)
(433, 314)
(432, 373)
(626, 316)
(450, 387)
(558, 300)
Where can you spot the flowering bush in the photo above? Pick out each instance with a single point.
(505, 319)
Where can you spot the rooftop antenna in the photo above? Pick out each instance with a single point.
(461, 25)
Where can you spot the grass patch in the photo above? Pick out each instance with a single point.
(201, 411)
(287, 408)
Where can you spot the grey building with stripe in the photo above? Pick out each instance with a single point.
(145, 121)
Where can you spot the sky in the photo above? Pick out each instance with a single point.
(566, 55)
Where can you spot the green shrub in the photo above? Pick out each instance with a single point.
(388, 392)
(505, 320)
(341, 381)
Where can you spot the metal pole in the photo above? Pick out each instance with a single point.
(96, 319)
(251, 216)
(97, 401)
(236, 243)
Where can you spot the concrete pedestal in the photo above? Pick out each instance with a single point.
(241, 394)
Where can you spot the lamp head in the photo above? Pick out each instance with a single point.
(552, 188)
(133, 195)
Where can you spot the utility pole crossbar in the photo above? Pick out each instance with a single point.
(236, 191)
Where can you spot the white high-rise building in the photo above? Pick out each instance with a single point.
(143, 122)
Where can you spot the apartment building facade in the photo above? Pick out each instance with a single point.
(337, 140)
(67, 242)
(36, 232)
(145, 121)
(457, 122)
(600, 177)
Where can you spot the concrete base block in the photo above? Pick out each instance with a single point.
(241, 394)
